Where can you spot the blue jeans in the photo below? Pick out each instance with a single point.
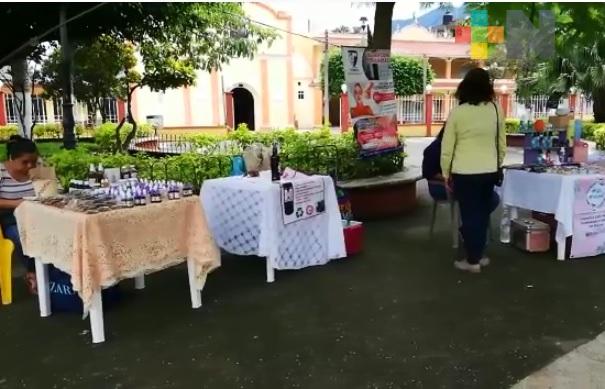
(475, 193)
(11, 232)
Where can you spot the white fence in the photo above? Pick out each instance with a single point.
(410, 109)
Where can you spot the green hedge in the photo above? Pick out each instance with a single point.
(313, 151)
(512, 126)
(7, 131)
(306, 151)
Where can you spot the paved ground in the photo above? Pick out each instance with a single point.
(396, 316)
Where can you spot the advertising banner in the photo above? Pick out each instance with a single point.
(302, 198)
(589, 218)
(372, 102)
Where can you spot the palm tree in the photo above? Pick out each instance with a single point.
(583, 68)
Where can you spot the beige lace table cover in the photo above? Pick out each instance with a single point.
(101, 249)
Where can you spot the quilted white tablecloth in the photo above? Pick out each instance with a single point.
(244, 215)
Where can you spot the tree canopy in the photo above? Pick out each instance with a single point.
(407, 74)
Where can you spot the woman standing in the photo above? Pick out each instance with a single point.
(472, 152)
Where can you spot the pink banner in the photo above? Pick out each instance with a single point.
(589, 218)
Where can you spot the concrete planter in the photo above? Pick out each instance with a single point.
(515, 140)
(383, 196)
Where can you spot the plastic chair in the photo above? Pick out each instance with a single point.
(454, 215)
(6, 283)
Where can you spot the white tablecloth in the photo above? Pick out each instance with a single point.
(244, 215)
(543, 192)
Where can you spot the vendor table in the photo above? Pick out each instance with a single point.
(543, 192)
(244, 214)
(99, 250)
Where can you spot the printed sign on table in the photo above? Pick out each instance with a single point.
(372, 102)
(589, 218)
(302, 199)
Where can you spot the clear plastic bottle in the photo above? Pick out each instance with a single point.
(505, 225)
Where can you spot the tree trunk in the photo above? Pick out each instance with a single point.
(69, 135)
(22, 97)
(131, 120)
(383, 30)
(598, 105)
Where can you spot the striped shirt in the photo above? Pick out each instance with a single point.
(11, 189)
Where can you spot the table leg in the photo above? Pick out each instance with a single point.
(270, 270)
(139, 282)
(196, 294)
(561, 250)
(43, 288)
(97, 326)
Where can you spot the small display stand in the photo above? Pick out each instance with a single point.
(545, 143)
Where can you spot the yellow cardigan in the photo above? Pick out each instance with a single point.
(469, 140)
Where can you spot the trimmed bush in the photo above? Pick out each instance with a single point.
(105, 134)
(7, 131)
(512, 126)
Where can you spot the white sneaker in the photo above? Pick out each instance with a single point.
(484, 261)
(465, 266)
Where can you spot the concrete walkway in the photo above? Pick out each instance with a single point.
(583, 367)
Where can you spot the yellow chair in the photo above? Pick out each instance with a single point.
(6, 282)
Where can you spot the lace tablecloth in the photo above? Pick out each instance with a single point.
(244, 215)
(101, 249)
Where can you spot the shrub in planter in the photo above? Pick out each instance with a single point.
(512, 126)
(599, 136)
(7, 131)
(49, 130)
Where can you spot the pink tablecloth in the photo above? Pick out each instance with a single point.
(101, 249)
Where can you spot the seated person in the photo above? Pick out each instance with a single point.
(431, 171)
(15, 184)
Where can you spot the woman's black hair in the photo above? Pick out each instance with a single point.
(475, 88)
(18, 146)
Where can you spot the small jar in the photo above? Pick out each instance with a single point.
(187, 190)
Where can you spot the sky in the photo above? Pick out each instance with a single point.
(334, 13)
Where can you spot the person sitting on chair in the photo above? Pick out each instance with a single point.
(15, 184)
(431, 171)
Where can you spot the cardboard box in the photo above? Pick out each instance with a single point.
(559, 122)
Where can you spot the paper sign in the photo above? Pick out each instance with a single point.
(302, 199)
(589, 218)
(372, 102)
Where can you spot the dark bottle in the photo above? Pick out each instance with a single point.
(275, 175)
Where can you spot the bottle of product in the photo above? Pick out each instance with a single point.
(155, 196)
(505, 225)
(129, 200)
(275, 175)
(92, 175)
(187, 190)
(100, 173)
(125, 173)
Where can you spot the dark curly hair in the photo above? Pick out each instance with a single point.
(475, 88)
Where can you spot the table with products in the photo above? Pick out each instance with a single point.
(100, 248)
(551, 191)
(246, 216)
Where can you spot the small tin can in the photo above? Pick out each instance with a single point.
(530, 235)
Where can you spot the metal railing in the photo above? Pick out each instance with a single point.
(410, 109)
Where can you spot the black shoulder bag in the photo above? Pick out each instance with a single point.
(499, 172)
